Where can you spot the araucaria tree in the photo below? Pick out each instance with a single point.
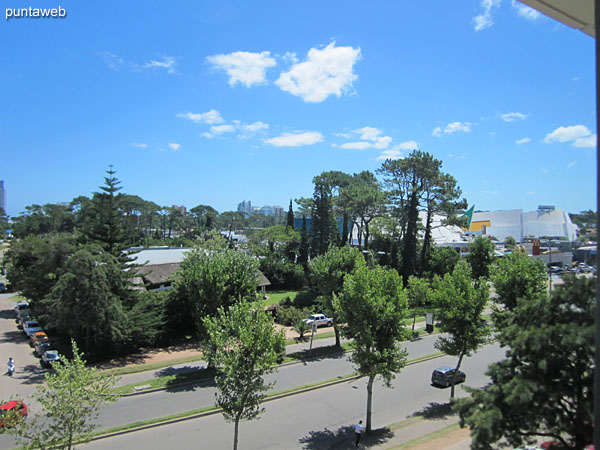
(242, 343)
(372, 305)
(70, 401)
(544, 388)
(460, 306)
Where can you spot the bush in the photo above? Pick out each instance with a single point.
(305, 299)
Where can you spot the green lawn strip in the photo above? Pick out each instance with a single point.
(427, 437)
(153, 366)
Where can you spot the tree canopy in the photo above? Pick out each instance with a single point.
(544, 387)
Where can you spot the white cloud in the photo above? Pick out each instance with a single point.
(325, 72)
(453, 127)
(525, 140)
(220, 129)
(211, 117)
(373, 134)
(571, 164)
(586, 142)
(166, 62)
(408, 145)
(526, 12)
(174, 146)
(295, 139)
(113, 61)
(485, 19)
(244, 67)
(254, 127)
(139, 145)
(207, 135)
(513, 116)
(360, 145)
(391, 153)
(566, 134)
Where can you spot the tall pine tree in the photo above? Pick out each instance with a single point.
(290, 216)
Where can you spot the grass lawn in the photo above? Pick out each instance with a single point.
(277, 296)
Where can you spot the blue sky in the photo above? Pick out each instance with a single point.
(198, 102)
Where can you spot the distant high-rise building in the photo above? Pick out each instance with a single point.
(2, 197)
(245, 207)
(267, 210)
(278, 210)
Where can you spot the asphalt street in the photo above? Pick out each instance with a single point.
(311, 419)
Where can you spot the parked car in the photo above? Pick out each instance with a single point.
(50, 357)
(37, 337)
(11, 412)
(22, 317)
(319, 319)
(30, 327)
(42, 347)
(442, 376)
(22, 306)
(2, 286)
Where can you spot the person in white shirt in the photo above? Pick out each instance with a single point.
(358, 431)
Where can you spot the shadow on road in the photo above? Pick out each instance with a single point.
(343, 438)
(8, 314)
(188, 378)
(435, 411)
(30, 374)
(12, 337)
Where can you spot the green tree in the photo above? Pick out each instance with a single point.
(481, 254)
(304, 248)
(290, 216)
(35, 263)
(326, 276)
(517, 276)
(88, 302)
(208, 282)
(416, 183)
(544, 387)
(372, 305)
(442, 260)
(106, 227)
(323, 227)
(70, 399)
(510, 242)
(460, 305)
(243, 344)
(363, 197)
(419, 294)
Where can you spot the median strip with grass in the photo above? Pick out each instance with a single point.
(209, 410)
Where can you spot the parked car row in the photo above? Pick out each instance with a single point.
(38, 339)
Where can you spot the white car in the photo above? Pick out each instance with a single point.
(30, 327)
(320, 320)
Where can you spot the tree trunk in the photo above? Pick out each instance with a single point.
(336, 330)
(460, 358)
(369, 400)
(235, 433)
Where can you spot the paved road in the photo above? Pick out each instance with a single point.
(308, 420)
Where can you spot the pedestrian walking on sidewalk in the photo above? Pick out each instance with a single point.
(358, 431)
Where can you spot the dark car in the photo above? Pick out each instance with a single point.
(42, 347)
(11, 412)
(49, 358)
(442, 376)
